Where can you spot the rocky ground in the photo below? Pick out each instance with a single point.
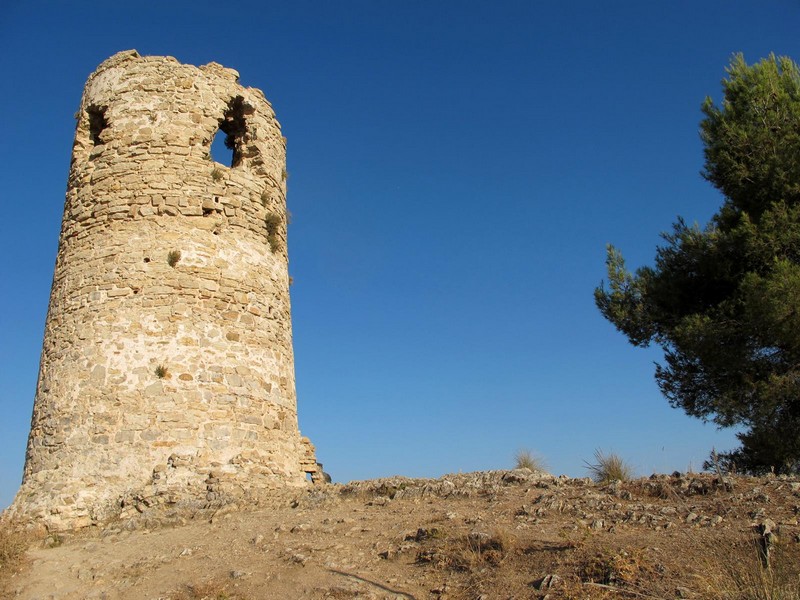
(497, 534)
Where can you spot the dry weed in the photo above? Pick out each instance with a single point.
(526, 459)
(739, 574)
(489, 548)
(13, 545)
(470, 552)
(614, 568)
(173, 257)
(609, 467)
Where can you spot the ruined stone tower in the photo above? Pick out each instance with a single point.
(167, 373)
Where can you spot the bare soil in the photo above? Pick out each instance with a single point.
(499, 534)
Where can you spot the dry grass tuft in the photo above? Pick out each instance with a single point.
(273, 222)
(13, 545)
(173, 257)
(471, 552)
(525, 459)
(490, 548)
(609, 467)
(614, 568)
(740, 574)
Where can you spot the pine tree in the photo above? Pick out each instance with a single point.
(723, 301)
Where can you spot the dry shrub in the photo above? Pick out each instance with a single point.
(14, 543)
(738, 573)
(614, 568)
(490, 548)
(469, 552)
(609, 467)
(525, 459)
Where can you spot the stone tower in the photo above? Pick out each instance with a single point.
(167, 373)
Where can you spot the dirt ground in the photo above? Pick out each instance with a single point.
(498, 534)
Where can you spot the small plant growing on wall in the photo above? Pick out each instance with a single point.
(273, 223)
(173, 257)
(264, 198)
(216, 174)
(161, 371)
(284, 175)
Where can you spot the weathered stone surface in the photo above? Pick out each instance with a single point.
(168, 343)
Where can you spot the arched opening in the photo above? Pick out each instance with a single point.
(97, 122)
(219, 149)
(228, 144)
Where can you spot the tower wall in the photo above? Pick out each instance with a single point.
(167, 370)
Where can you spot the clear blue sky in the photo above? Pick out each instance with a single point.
(456, 170)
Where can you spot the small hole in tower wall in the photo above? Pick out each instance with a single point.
(97, 123)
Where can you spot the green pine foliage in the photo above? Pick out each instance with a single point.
(723, 301)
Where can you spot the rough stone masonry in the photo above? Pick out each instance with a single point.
(167, 373)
